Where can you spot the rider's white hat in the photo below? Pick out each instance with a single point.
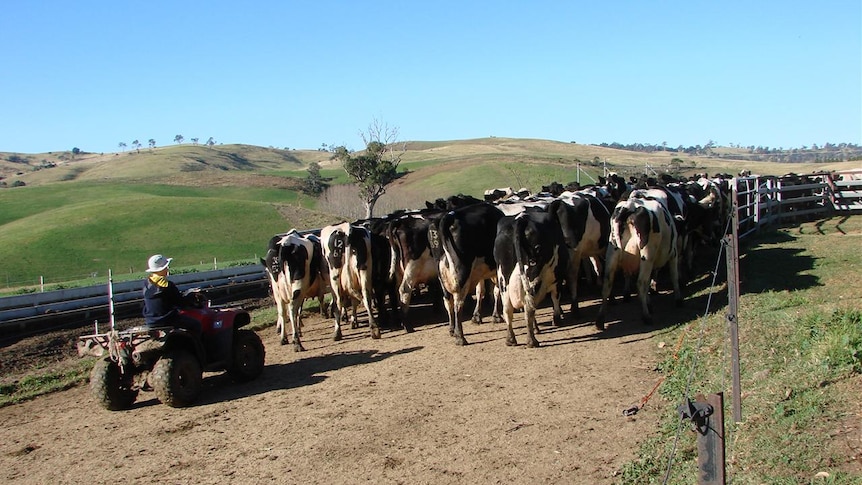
(157, 262)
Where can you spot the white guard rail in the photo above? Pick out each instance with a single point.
(35, 304)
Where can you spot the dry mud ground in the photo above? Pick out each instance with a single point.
(407, 408)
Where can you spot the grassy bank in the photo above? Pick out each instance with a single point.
(800, 321)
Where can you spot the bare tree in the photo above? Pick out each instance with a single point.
(376, 167)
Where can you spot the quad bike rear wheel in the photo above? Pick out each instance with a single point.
(177, 378)
(110, 388)
(248, 354)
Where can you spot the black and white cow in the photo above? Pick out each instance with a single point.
(412, 261)
(297, 271)
(347, 250)
(384, 285)
(465, 258)
(643, 240)
(532, 262)
(585, 224)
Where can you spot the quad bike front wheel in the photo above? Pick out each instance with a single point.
(110, 388)
(177, 378)
(247, 356)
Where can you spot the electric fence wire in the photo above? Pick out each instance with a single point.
(694, 358)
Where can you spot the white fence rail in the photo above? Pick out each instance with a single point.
(768, 200)
(50, 302)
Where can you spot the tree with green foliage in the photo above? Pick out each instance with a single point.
(137, 145)
(178, 139)
(210, 142)
(376, 167)
(314, 184)
(122, 145)
(152, 143)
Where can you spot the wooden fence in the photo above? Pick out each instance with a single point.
(768, 200)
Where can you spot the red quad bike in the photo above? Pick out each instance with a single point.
(171, 361)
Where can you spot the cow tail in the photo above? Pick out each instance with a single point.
(450, 250)
(520, 241)
(395, 251)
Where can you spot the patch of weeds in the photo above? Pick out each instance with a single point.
(38, 384)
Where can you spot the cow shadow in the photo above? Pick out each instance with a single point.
(291, 375)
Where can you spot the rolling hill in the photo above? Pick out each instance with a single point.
(68, 216)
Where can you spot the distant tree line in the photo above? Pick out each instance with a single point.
(178, 139)
(815, 153)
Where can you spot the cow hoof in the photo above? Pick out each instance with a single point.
(409, 329)
(558, 321)
(533, 344)
(477, 319)
(375, 333)
(600, 322)
(283, 341)
(297, 347)
(511, 342)
(460, 341)
(497, 319)
(337, 337)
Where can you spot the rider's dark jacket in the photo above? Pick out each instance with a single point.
(162, 300)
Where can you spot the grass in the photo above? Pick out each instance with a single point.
(800, 323)
(40, 383)
(66, 232)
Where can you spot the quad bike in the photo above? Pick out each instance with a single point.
(171, 361)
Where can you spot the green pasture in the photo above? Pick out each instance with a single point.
(68, 231)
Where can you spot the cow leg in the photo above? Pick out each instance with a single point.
(449, 303)
(279, 309)
(480, 295)
(558, 309)
(405, 294)
(339, 312)
(372, 322)
(295, 307)
(674, 278)
(354, 322)
(574, 270)
(509, 314)
(530, 315)
(643, 286)
(458, 308)
(399, 310)
(496, 316)
(607, 285)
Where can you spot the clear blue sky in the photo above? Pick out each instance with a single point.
(92, 74)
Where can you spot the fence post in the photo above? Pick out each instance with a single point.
(732, 256)
(111, 299)
(710, 444)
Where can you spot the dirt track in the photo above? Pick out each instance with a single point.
(408, 408)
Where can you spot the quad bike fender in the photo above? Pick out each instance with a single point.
(182, 339)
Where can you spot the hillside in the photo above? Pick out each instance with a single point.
(81, 215)
(244, 164)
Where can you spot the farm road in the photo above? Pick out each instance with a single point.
(408, 408)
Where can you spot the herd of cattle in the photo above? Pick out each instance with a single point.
(527, 247)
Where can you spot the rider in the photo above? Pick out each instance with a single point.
(163, 300)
